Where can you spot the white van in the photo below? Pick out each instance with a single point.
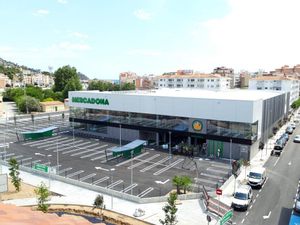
(242, 197)
(257, 176)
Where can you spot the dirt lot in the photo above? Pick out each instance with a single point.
(27, 191)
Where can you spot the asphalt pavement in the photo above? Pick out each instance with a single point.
(274, 202)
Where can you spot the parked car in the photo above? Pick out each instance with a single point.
(283, 139)
(242, 197)
(289, 130)
(285, 135)
(257, 177)
(293, 125)
(279, 145)
(297, 139)
(297, 203)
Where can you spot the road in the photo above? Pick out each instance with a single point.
(273, 203)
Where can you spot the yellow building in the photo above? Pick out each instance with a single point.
(52, 106)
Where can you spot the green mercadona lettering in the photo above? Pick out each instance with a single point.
(98, 101)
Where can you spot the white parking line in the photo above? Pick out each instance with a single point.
(276, 161)
(129, 160)
(65, 170)
(257, 195)
(243, 221)
(115, 184)
(75, 173)
(91, 150)
(87, 177)
(100, 157)
(33, 142)
(155, 164)
(15, 157)
(101, 180)
(59, 143)
(220, 166)
(210, 175)
(247, 213)
(130, 187)
(33, 162)
(10, 154)
(75, 148)
(145, 192)
(92, 154)
(68, 145)
(168, 167)
(46, 141)
(143, 161)
(218, 171)
(26, 159)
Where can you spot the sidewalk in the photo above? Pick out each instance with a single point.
(257, 161)
(189, 211)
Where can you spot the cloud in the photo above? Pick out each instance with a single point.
(41, 12)
(62, 1)
(256, 34)
(142, 14)
(68, 46)
(144, 52)
(79, 35)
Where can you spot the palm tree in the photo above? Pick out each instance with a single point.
(186, 183)
(177, 181)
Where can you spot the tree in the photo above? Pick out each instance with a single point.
(30, 103)
(170, 210)
(35, 92)
(72, 85)
(62, 76)
(43, 194)
(14, 173)
(177, 181)
(99, 204)
(245, 163)
(186, 183)
(182, 182)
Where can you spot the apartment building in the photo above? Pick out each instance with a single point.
(278, 83)
(199, 81)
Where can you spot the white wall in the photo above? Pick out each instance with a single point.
(227, 110)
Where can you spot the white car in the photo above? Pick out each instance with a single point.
(293, 125)
(242, 197)
(257, 176)
(297, 138)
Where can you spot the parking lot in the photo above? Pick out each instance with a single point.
(85, 159)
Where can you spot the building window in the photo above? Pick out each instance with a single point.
(192, 80)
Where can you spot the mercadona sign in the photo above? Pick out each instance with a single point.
(98, 101)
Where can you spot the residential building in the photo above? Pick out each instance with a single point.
(53, 106)
(128, 77)
(278, 83)
(199, 81)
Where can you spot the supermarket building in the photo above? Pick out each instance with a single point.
(230, 123)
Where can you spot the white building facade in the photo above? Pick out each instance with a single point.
(277, 83)
(232, 121)
(198, 81)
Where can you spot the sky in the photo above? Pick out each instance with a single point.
(102, 38)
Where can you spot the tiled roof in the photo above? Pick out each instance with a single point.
(273, 78)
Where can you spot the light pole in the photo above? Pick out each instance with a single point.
(230, 152)
(73, 131)
(131, 171)
(57, 157)
(46, 156)
(120, 135)
(112, 180)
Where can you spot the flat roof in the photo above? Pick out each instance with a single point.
(230, 94)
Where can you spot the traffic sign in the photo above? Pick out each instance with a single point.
(41, 167)
(219, 191)
(226, 217)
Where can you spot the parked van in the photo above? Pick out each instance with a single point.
(257, 177)
(242, 197)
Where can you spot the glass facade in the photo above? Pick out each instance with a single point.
(214, 127)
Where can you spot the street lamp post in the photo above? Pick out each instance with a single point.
(120, 135)
(230, 152)
(112, 180)
(46, 156)
(131, 171)
(57, 157)
(73, 131)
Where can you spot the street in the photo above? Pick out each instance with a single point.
(273, 203)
